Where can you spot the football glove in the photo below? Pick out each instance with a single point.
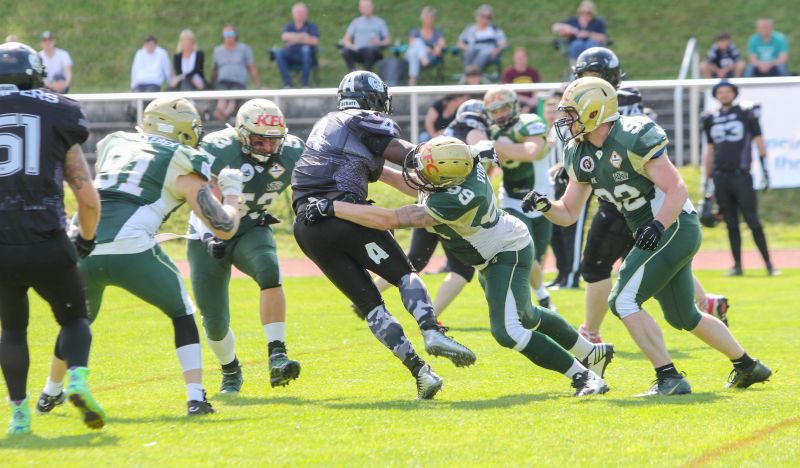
(83, 246)
(561, 177)
(484, 151)
(230, 182)
(766, 180)
(316, 210)
(648, 236)
(215, 247)
(535, 201)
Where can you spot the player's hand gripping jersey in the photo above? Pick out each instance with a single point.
(518, 176)
(136, 176)
(616, 172)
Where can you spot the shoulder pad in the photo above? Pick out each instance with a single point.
(473, 122)
(372, 122)
(530, 125)
(191, 160)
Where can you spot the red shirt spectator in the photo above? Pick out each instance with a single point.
(520, 72)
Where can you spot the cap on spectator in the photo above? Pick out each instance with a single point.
(150, 38)
(723, 35)
(484, 9)
(47, 35)
(723, 83)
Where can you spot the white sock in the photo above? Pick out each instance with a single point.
(582, 348)
(541, 292)
(194, 391)
(224, 349)
(190, 357)
(275, 331)
(53, 388)
(575, 368)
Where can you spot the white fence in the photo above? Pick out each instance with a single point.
(791, 85)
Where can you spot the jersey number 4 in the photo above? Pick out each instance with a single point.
(15, 145)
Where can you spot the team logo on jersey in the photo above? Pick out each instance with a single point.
(599, 154)
(247, 172)
(616, 160)
(620, 176)
(276, 170)
(275, 186)
(587, 164)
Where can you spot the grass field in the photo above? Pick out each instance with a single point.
(354, 403)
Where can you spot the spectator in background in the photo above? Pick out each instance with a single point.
(768, 51)
(482, 42)
(189, 63)
(518, 73)
(723, 59)
(300, 39)
(233, 61)
(424, 46)
(583, 31)
(366, 36)
(440, 114)
(150, 68)
(12, 38)
(57, 63)
(473, 76)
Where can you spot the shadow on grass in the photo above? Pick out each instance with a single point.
(37, 442)
(233, 400)
(505, 401)
(693, 399)
(471, 329)
(635, 354)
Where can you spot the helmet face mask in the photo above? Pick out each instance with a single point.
(568, 117)
(438, 164)
(173, 118)
(256, 121)
(502, 107)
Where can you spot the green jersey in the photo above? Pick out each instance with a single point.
(518, 176)
(136, 176)
(616, 171)
(262, 183)
(472, 228)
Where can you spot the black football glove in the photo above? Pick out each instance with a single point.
(536, 201)
(215, 247)
(648, 236)
(83, 246)
(766, 180)
(316, 210)
(562, 177)
(266, 219)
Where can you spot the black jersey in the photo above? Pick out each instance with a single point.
(630, 102)
(461, 127)
(36, 130)
(731, 131)
(343, 153)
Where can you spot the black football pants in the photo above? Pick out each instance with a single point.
(734, 192)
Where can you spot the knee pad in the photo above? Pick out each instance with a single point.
(186, 331)
(216, 328)
(512, 335)
(622, 304)
(531, 318)
(592, 271)
(687, 320)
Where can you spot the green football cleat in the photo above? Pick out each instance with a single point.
(47, 402)
(667, 386)
(282, 369)
(78, 393)
(743, 379)
(20, 422)
(231, 381)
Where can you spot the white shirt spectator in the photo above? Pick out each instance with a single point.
(150, 68)
(56, 64)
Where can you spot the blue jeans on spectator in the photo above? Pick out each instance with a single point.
(579, 45)
(303, 55)
(417, 51)
(477, 56)
(778, 70)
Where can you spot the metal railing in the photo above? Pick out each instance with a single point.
(690, 62)
(413, 92)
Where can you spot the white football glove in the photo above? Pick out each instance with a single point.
(230, 182)
(484, 151)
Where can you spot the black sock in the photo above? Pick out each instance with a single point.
(667, 370)
(231, 366)
(415, 364)
(276, 346)
(744, 362)
(15, 361)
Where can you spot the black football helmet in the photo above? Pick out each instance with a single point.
(364, 90)
(20, 66)
(602, 61)
(472, 113)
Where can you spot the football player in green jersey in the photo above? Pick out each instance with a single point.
(142, 178)
(260, 147)
(521, 145)
(624, 161)
(458, 206)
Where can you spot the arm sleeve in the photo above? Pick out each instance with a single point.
(384, 30)
(651, 143)
(444, 207)
(706, 126)
(711, 55)
(134, 66)
(753, 120)
(465, 34)
(248, 55)
(351, 29)
(735, 55)
(67, 59)
(600, 26)
(784, 46)
(76, 127)
(313, 30)
(199, 64)
(501, 36)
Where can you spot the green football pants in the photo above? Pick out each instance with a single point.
(540, 229)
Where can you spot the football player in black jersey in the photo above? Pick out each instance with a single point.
(731, 132)
(609, 238)
(41, 134)
(346, 151)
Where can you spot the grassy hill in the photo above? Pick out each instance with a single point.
(102, 36)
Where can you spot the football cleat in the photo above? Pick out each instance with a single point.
(599, 358)
(592, 337)
(79, 395)
(199, 407)
(588, 383)
(547, 303)
(669, 385)
(718, 307)
(758, 372)
(47, 402)
(231, 381)
(20, 422)
(282, 369)
(735, 271)
(439, 344)
(428, 383)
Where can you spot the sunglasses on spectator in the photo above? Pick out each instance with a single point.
(229, 34)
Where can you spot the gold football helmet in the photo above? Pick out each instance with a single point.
(587, 103)
(260, 118)
(439, 163)
(502, 107)
(173, 118)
